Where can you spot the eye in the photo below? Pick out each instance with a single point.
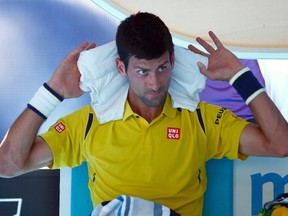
(142, 72)
(162, 68)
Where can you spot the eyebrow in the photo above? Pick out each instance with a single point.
(142, 68)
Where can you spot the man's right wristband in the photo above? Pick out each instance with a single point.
(246, 84)
(44, 101)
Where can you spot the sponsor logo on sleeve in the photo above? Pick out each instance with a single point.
(60, 127)
(219, 115)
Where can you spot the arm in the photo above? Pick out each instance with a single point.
(270, 137)
(21, 150)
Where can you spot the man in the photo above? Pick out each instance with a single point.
(134, 156)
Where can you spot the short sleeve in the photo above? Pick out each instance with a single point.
(66, 138)
(223, 131)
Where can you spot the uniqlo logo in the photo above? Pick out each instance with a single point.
(60, 127)
(173, 133)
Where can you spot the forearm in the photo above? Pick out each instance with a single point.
(271, 137)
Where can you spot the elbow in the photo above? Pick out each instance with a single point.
(5, 173)
(5, 169)
(8, 169)
(279, 151)
(280, 143)
(283, 154)
(284, 149)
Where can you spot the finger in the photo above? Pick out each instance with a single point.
(205, 71)
(91, 46)
(197, 51)
(205, 45)
(75, 53)
(82, 47)
(215, 39)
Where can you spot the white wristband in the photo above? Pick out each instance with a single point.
(254, 95)
(44, 101)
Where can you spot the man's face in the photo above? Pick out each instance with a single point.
(149, 80)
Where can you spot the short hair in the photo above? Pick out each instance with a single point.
(143, 35)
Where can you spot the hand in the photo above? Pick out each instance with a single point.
(222, 64)
(66, 78)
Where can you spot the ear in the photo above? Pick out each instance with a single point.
(172, 59)
(121, 67)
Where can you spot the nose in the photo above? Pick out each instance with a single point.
(154, 81)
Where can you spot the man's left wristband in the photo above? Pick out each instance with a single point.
(44, 101)
(247, 85)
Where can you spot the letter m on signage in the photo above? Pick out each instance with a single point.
(257, 188)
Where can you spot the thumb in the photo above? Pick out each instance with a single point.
(202, 68)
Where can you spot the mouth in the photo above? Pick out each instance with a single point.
(155, 93)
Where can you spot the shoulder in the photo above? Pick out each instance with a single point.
(81, 113)
(79, 118)
(207, 106)
(211, 109)
(216, 115)
(85, 109)
(73, 124)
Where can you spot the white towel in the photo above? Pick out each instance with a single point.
(108, 89)
(132, 206)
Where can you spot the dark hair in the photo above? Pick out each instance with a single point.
(143, 35)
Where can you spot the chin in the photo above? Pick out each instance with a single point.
(154, 102)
